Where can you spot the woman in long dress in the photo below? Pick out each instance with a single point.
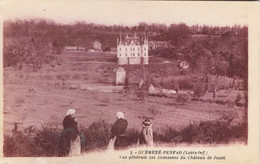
(118, 132)
(70, 139)
(146, 136)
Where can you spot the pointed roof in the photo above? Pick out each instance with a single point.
(128, 40)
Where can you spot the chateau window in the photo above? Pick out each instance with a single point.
(126, 49)
(133, 48)
(144, 54)
(133, 54)
(125, 54)
(138, 54)
(120, 50)
(144, 48)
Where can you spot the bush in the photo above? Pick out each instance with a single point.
(97, 135)
(32, 142)
(132, 136)
(182, 98)
(207, 132)
(47, 141)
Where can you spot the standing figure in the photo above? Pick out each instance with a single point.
(70, 140)
(118, 131)
(146, 136)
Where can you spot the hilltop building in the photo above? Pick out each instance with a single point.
(132, 50)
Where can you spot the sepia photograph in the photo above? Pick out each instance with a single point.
(86, 77)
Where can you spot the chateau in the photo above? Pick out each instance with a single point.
(132, 50)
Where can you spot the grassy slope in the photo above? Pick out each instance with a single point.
(43, 97)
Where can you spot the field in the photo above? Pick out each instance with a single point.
(42, 98)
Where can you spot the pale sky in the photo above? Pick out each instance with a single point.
(129, 12)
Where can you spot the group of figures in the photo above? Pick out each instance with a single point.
(71, 141)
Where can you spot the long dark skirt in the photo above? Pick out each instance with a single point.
(120, 142)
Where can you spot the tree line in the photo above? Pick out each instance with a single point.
(208, 49)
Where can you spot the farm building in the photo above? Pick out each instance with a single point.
(70, 48)
(132, 50)
(155, 45)
(74, 48)
(97, 45)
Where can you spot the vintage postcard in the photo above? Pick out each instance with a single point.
(129, 82)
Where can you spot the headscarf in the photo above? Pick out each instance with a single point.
(71, 112)
(146, 122)
(120, 115)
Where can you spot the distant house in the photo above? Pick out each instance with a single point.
(74, 48)
(81, 48)
(97, 45)
(71, 48)
(155, 45)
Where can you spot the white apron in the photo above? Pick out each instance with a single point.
(75, 147)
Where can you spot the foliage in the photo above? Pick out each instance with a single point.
(182, 98)
(32, 142)
(220, 51)
(97, 135)
(206, 132)
(31, 53)
(44, 142)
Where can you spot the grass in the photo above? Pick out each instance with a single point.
(178, 111)
(32, 142)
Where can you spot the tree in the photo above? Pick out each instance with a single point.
(178, 34)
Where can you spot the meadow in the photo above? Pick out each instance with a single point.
(38, 101)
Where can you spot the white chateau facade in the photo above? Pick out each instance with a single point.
(132, 50)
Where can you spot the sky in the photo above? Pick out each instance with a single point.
(128, 12)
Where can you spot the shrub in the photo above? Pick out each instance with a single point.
(44, 142)
(32, 142)
(182, 98)
(47, 141)
(167, 135)
(97, 135)
(185, 84)
(238, 98)
(132, 136)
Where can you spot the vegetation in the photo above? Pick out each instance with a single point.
(217, 56)
(34, 142)
(208, 50)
